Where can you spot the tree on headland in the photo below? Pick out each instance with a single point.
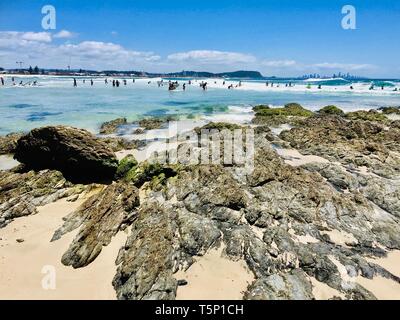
(30, 70)
(36, 70)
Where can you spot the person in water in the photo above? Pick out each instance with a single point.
(2, 81)
(105, 81)
(117, 83)
(184, 86)
(91, 82)
(75, 85)
(113, 83)
(124, 82)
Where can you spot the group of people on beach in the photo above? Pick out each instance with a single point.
(21, 83)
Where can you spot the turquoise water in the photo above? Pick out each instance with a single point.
(55, 101)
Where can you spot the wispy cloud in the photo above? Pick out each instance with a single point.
(64, 34)
(279, 63)
(211, 57)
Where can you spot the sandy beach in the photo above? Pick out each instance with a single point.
(22, 263)
(213, 277)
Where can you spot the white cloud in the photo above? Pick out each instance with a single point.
(279, 63)
(64, 34)
(36, 49)
(36, 36)
(211, 57)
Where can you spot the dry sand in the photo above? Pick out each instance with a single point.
(213, 277)
(21, 263)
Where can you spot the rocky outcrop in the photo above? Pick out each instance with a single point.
(117, 143)
(76, 153)
(21, 193)
(359, 143)
(145, 270)
(288, 224)
(111, 127)
(99, 218)
(290, 286)
(8, 143)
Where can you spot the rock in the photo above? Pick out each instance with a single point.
(139, 131)
(21, 193)
(218, 126)
(146, 261)
(331, 110)
(182, 282)
(292, 286)
(75, 152)
(151, 123)
(390, 110)
(290, 113)
(117, 143)
(357, 143)
(111, 127)
(371, 115)
(8, 143)
(20, 240)
(150, 171)
(125, 165)
(100, 218)
(73, 198)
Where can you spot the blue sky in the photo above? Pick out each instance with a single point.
(281, 38)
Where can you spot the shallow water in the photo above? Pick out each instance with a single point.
(55, 101)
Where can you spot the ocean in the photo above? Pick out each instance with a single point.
(54, 100)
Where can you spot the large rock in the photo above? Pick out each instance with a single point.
(75, 152)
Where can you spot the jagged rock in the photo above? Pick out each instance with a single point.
(146, 261)
(331, 110)
(291, 286)
(8, 142)
(359, 143)
(21, 193)
(75, 152)
(117, 143)
(125, 165)
(99, 218)
(151, 123)
(111, 127)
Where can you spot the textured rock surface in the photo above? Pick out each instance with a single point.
(320, 220)
(8, 142)
(99, 218)
(75, 152)
(21, 193)
(110, 127)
